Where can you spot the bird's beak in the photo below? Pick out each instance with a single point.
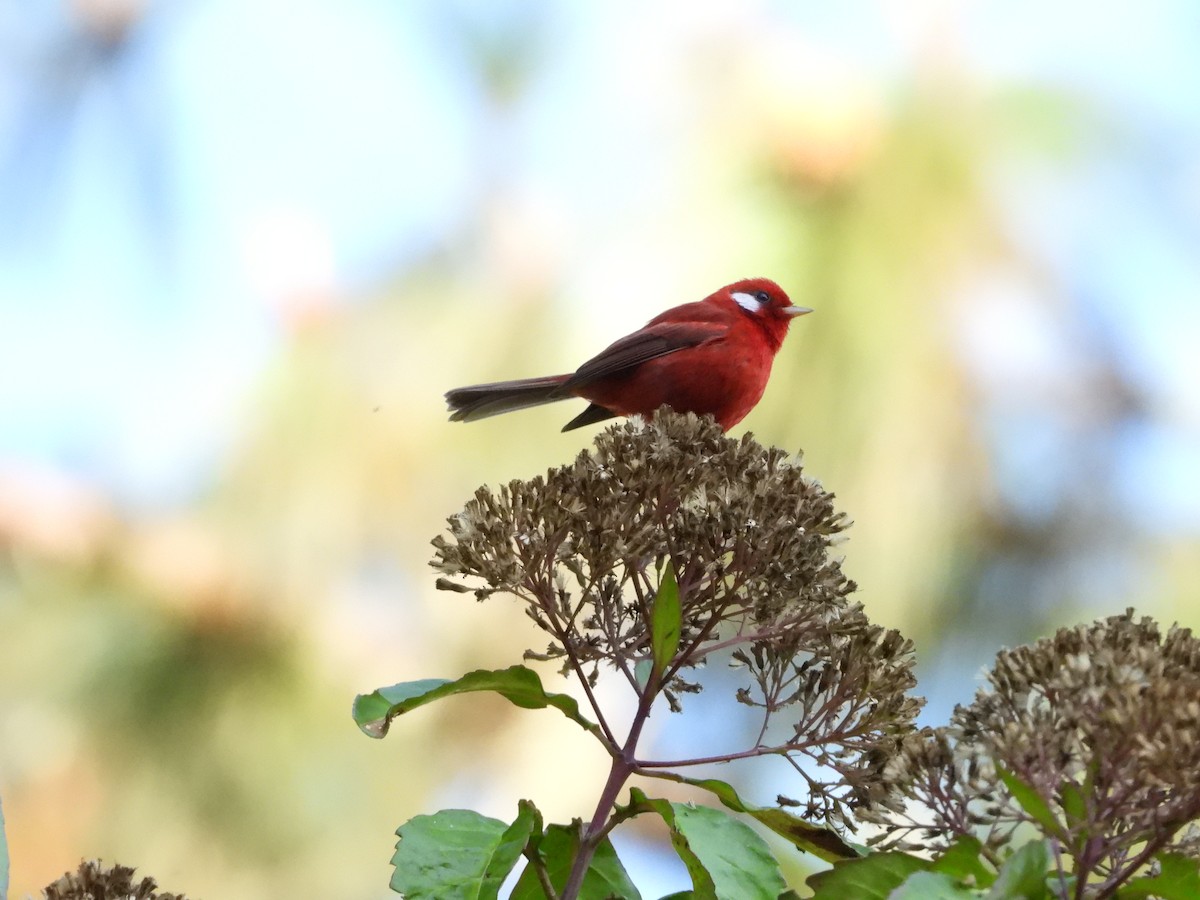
(792, 311)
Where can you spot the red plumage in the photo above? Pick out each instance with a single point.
(713, 356)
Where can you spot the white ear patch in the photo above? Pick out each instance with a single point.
(748, 302)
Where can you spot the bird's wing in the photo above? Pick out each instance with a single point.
(655, 340)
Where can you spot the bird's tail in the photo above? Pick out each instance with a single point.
(478, 401)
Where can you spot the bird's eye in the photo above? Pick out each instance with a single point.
(751, 303)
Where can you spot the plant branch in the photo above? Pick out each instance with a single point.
(560, 632)
(543, 877)
(646, 766)
(620, 770)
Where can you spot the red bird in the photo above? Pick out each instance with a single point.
(713, 356)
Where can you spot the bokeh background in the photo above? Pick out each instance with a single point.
(245, 246)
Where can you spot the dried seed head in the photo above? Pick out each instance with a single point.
(748, 537)
(1107, 714)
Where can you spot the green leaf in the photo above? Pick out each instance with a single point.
(871, 877)
(737, 860)
(820, 842)
(513, 841)
(932, 886)
(1074, 804)
(1032, 802)
(642, 670)
(373, 712)
(1178, 879)
(666, 620)
(703, 887)
(455, 853)
(606, 877)
(724, 857)
(961, 861)
(1023, 875)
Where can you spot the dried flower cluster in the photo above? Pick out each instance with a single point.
(1102, 721)
(91, 881)
(747, 536)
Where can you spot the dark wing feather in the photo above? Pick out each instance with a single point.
(590, 416)
(651, 342)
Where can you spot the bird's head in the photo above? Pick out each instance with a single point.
(765, 302)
